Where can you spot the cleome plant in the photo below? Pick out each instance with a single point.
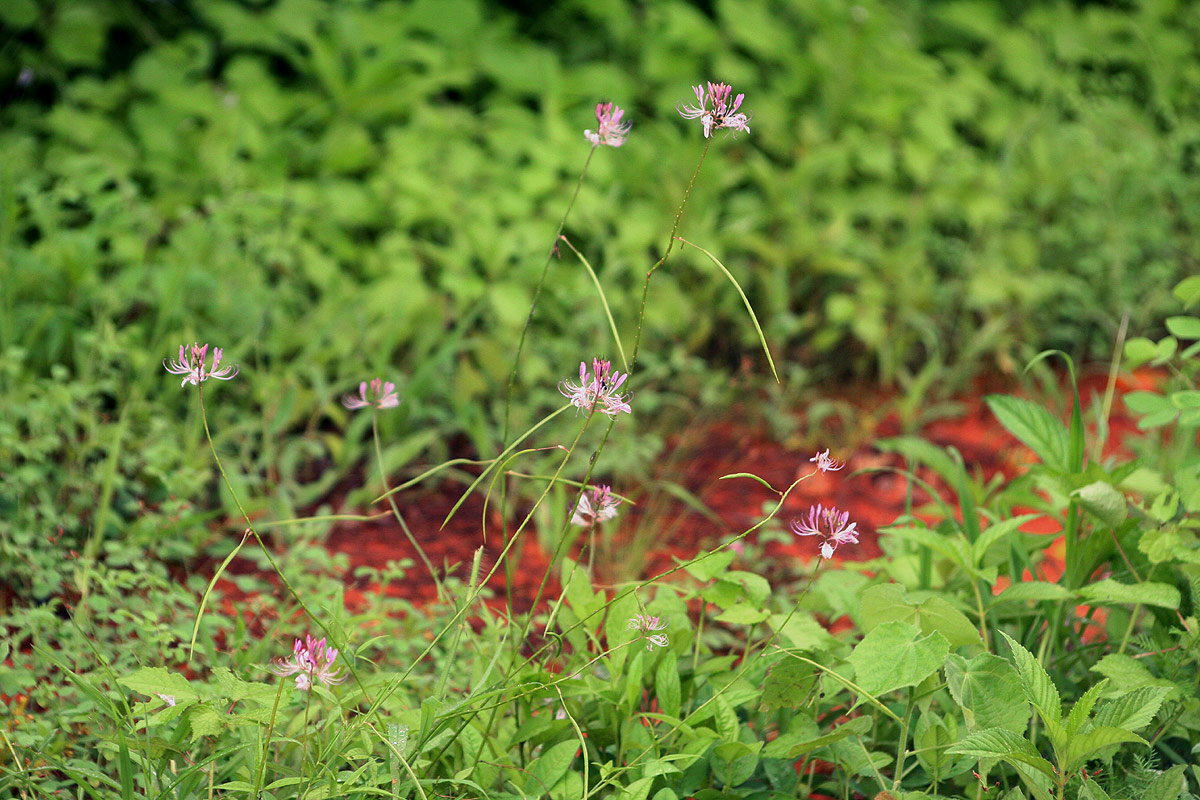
(972, 663)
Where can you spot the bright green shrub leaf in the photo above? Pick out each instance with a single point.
(1184, 327)
(1003, 744)
(1151, 594)
(888, 602)
(1138, 351)
(551, 766)
(1132, 711)
(666, 684)
(205, 721)
(801, 631)
(1147, 402)
(1187, 399)
(996, 532)
(710, 566)
(638, 790)
(895, 655)
(1188, 291)
(1102, 500)
(734, 762)
(1036, 427)
(159, 680)
(1083, 708)
(1032, 590)
(989, 691)
(743, 614)
(1036, 683)
(1124, 671)
(1090, 790)
(1082, 745)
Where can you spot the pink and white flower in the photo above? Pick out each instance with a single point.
(311, 662)
(610, 131)
(379, 393)
(714, 111)
(596, 505)
(825, 463)
(192, 365)
(597, 391)
(647, 625)
(830, 524)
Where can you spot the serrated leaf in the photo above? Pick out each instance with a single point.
(1036, 682)
(1081, 745)
(895, 654)
(159, 680)
(1083, 708)
(988, 690)
(1132, 711)
(1168, 785)
(1090, 790)
(1148, 593)
(1003, 744)
(1037, 428)
(205, 721)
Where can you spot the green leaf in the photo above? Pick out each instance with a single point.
(1004, 744)
(1103, 501)
(551, 766)
(1110, 591)
(895, 655)
(1036, 682)
(788, 684)
(1032, 590)
(1081, 745)
(666, 684)
(1138, 351)
(1187, 291)
(206, 722)
(1132, 711)
(800, 630)
(997, 531)
(1168, 785)
(159, 680)
(734, 762)
(989, 691)
(888, 602)
(1083, 708)
(1036, 427)
(1090, 790)
(799, 743)
(1184, 327)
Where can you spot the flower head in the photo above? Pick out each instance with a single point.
(597, 391)
(647, 625)
(169, 699)
(713, 110)
(610, 131)
(596, 505)
(836, 531)
(311, 661)
(379, 393)
(192, 365)
(825, 463)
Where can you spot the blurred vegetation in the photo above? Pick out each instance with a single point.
(334, 191)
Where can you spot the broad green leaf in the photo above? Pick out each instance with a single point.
(954, 547)
(1032, 590)
(734, 762)
(1004, 744)
(997, 531)
(924, 452)
(1187, 291)
(666, 684)
(551, 766)
(801, 631)
(989, 691)
(1103, 501)
(888, 602)
(710, 566)
(1082, 745)
(1132, 711)
(1090, 790)
(1129, 673)
(1037, 428)
(1036, 682)
(638, 790)
(159, 680)
(798, 743)
(1184, 327)
(743, 614)
(1151, 594)
(1168, 785)
(205, 721)
(895, 655)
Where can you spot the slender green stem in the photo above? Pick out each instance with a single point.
(392, 502)
(537, 293)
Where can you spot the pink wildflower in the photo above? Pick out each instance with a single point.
(836, 532)
(598, 391)
(380, 394)
(311, 661)
(192, 365)
(169, 699)
(611, 131)
(646, 625)
(596, 505)
(713, 110)
(825, 463)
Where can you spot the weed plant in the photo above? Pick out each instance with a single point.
(967, 667)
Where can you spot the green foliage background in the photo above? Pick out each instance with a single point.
(333, 191)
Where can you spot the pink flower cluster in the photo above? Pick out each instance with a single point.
(713, 110)
(193, 366)
(648, 625)
(832, 525)
(596, 505)
(610, 130)
(379, 393)
(597, 391)
(311, 662)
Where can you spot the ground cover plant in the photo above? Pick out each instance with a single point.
(966, 662)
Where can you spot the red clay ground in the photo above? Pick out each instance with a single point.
(696, 462)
